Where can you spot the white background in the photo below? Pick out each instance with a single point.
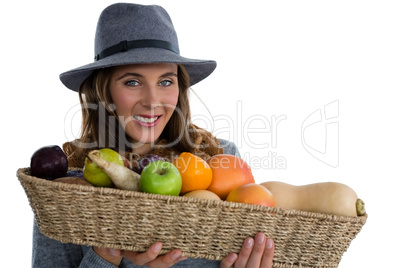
(280, 58)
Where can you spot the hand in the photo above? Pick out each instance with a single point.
(149, 258)
(258, 252)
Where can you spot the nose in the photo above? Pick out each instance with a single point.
(150, 97)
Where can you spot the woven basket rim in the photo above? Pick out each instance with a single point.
(23, 174)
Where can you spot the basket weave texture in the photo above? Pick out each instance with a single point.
(209, 229)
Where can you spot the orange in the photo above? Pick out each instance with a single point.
(195, 172)
(252, 193)
(228, 172)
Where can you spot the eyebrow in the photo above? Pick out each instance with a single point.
(141, 76)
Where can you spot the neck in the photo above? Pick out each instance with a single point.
(143, 148)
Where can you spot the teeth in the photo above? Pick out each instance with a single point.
(145, 119)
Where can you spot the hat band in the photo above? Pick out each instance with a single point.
(144, 43)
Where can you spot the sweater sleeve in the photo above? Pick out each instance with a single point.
(47, 252)
(229, 147)
(91, 259)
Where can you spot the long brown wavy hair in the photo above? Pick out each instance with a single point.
(100, 124)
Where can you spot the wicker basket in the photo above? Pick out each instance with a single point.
(207, 229)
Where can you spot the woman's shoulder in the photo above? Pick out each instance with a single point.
(229, 147)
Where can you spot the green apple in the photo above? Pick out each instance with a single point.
(95, 175)
(160, 177)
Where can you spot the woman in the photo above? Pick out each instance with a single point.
(134, 99)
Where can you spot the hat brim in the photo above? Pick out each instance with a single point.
(197, 69)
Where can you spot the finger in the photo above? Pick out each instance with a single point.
(145, 257)
(245, 252)
(167, 260)
(228, 261)
(268, 255)
(258, 250)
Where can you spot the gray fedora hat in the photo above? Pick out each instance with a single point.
(132, 33)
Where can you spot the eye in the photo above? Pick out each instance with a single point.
(132, 83)
(165, 83)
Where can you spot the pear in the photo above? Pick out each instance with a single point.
(121, 176)
(95, 174)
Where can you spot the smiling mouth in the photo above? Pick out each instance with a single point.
(147, 121)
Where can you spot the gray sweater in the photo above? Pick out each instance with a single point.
(48, 253)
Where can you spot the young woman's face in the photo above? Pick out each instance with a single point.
(145, 96)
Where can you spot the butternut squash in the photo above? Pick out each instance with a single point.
(326, 197)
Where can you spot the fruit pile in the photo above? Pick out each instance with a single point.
(221, 177)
